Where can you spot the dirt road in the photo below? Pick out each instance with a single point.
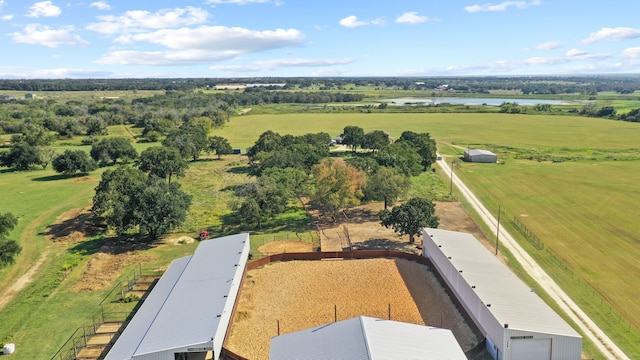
(589, 328)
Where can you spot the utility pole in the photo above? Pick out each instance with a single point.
(498, 228)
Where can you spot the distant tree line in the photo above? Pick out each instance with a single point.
(543, 85)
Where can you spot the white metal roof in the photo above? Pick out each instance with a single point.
(365, 338)
(475, 152)
(183, 308)
(512, 301)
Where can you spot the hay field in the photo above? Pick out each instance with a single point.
(302, 294)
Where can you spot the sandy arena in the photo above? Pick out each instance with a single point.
(302, 294)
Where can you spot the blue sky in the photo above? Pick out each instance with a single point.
(247, 38)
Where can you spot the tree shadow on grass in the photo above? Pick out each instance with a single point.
(113, 245)
(51, 178)
(82, 226)
(8, 170)
(240, 170)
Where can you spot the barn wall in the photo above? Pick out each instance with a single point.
(229, 306)
(499, 338)
(479, 313)
(562, 347)
(484, 158)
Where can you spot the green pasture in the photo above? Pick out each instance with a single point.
(583, 219)
(581, 208)
(522, 131)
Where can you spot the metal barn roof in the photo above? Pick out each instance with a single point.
(511, 301)
(184, 307)
(476, 152)
(365, 338)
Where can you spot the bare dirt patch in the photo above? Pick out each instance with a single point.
(108, 263)
(278, 247)
(83, 179)
(180, 240)
(359, 228)
(302, 294)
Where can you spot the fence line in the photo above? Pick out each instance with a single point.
(579, 283)
(69, 350)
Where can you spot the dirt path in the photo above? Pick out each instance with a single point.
(595, 334)
(29, 261)
(23, 281)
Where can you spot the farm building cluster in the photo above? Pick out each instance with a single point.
(188, 314)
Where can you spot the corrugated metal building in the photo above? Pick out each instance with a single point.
(481, 156)
(186, 316)
(516, 322)
(365, 338)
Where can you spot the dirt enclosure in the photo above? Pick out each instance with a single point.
(305, 294)
(298, 295)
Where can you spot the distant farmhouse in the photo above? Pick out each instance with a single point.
(6, 97)
(244, 86)
(481, 156)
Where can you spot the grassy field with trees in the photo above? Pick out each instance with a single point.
(568, 180)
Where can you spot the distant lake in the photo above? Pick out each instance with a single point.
(473, 101)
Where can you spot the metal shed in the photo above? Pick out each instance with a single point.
(481, 156)
(186, 316)
(365, 338)
(516, 322)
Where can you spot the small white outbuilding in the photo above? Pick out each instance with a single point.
(516, 322)
(187, 314)
(481, 156)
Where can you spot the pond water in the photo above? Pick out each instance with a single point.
(473, 101)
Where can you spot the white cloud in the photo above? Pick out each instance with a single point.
(502, 6)
(496, 66)
(201, 45)
(549, 45)
(16, 72)
(238, 2)
(352, 22)
(182, 57)
(300, 62)
(572, 55)
(219, 38)
(44, 8)
(575, 52)
(618, 33)
(6, 17)
(328, 72)
(538, 60)
(100, 5)
(411, 17)
(36, 34)
(270, 65)
(631, 53)
(141, 20)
